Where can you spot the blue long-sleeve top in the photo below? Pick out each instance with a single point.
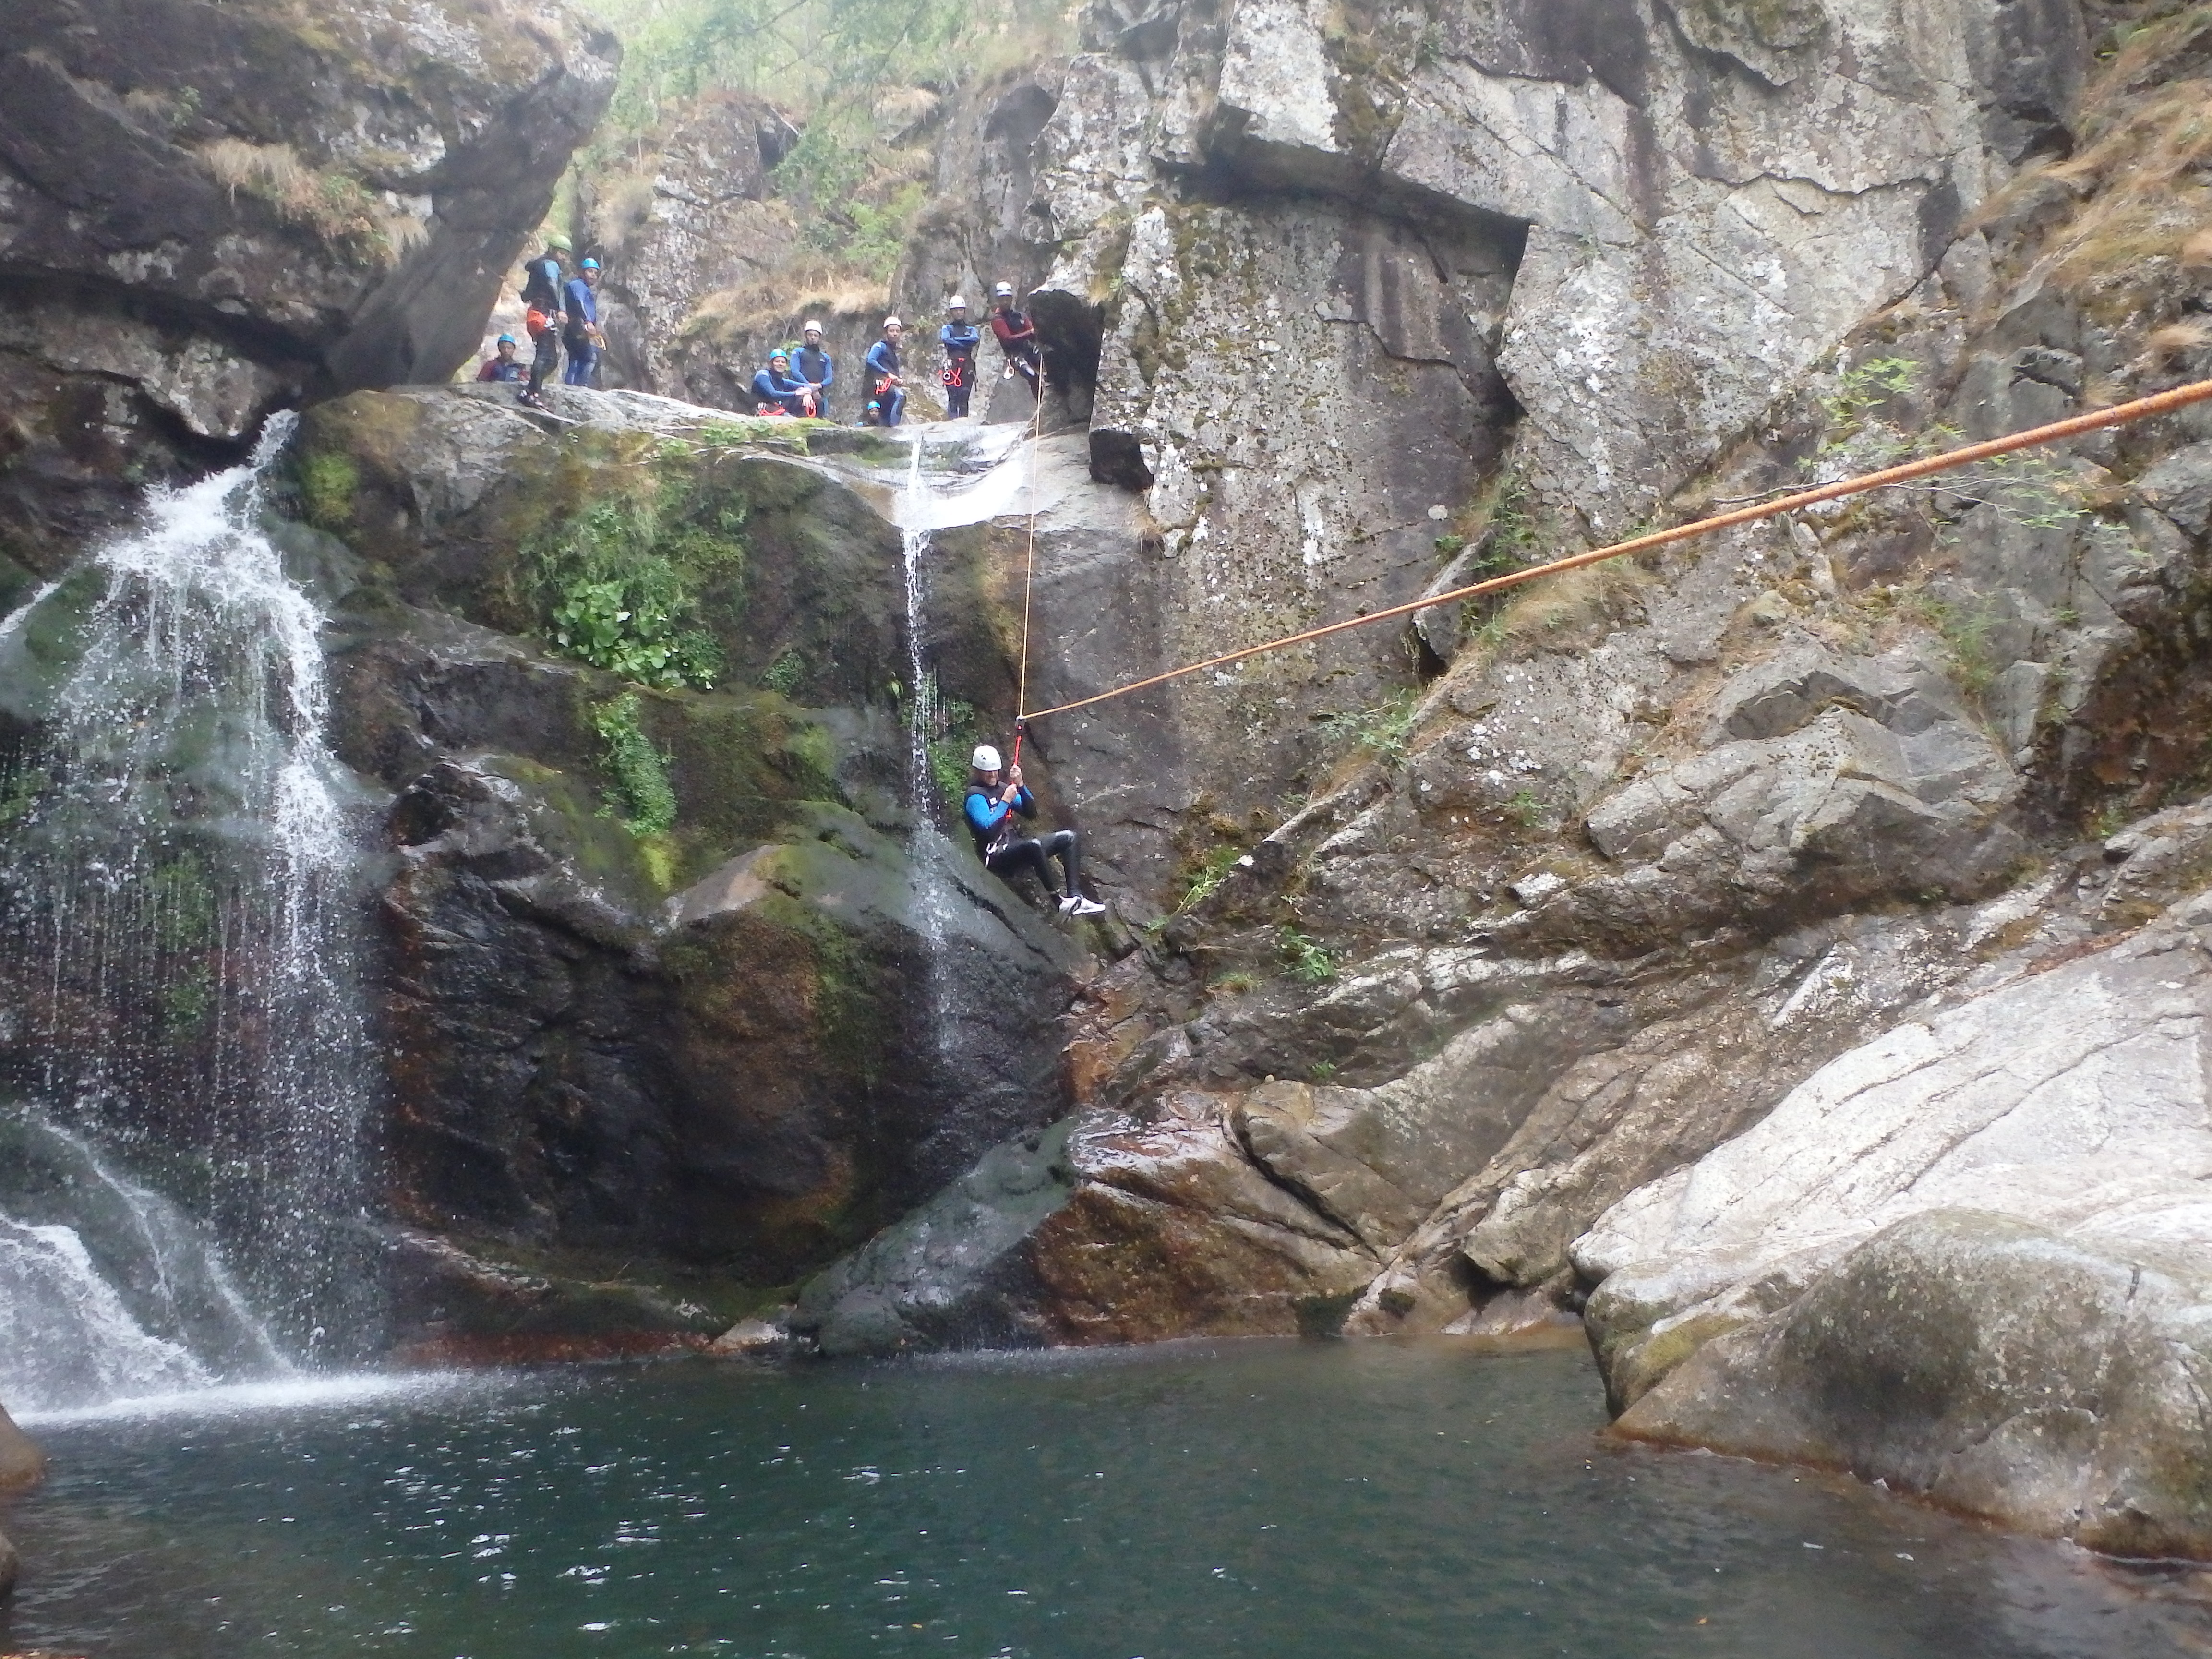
(771, 387)
(883, 358)
(960, 339)
(812, 363)
(987, 813)
(581, 303)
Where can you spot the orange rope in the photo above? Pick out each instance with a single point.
(2122, 415)
(1029, 570)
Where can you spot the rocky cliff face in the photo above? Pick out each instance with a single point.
(208, 210)
(1785, 951)
(1637, 855)
(676, 992)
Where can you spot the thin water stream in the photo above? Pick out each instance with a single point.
(1238, 1501)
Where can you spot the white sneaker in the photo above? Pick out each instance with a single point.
(1077, 906)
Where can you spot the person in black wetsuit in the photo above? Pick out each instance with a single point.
(542, 281)
(996, 801)
(813, 364)
(959, 338)
(1018, 338)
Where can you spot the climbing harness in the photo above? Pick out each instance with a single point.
(2127, 414)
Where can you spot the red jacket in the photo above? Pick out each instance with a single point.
(1014, 332)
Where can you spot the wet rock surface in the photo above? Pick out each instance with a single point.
(22, 1463)
(631, 1065)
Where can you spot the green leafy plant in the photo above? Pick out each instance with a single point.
(1860, 391)
(1308, 959)
(1207, 873)
(1322, 1071)
(641, 795)
(618, 583)
(784, 674)
(1964, 630)
(2037, 491)
(1524, 808)
(1383, 732)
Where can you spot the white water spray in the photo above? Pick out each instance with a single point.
(179, 860)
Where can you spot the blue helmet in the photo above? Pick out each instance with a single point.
(591, 264)
(504, 339)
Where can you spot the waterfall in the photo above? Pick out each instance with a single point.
(182, 924)
(934, 890)
(108, 1290)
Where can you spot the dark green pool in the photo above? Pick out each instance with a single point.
(1286, 1501)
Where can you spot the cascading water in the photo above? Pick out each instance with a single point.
(183, 930)
(934, 896)
(107, 1289)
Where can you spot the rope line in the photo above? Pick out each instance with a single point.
(1028, 568)
(2120, 414)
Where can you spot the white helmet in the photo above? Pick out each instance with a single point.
(955, 303)
(985, 759)
(893, 322)
(1003, 291)
(813, 327)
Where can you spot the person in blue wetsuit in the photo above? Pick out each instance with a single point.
(959, 338)
(886, 391)
(581, 335)
(813, 364)
(776, 389)
(997, 801)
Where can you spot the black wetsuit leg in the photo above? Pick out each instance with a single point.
(1008, 861)
(546, 360)
(1062, 845)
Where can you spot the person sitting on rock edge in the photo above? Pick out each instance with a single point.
(777, 391)
(992, 810)
(886, 391)
(582, 336)
(505, 368)
(1018, 338)
(959, 338)
(543, 317)
(813, 364)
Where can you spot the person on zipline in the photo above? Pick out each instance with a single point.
(992, 809)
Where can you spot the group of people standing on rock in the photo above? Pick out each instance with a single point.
(799, 381)
(560, 312)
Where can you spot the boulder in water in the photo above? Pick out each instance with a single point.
(21, 1465)
(2053, 1384)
